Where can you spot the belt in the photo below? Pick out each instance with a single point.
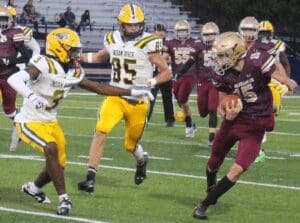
(134, 101)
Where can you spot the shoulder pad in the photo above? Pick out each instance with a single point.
(27, 33)
(110, 38)
(43, 64)
(143, 42)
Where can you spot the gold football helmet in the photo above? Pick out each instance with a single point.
(12, 10)
(6, 20)
(64, 45)
(131, 15)
(209, 32)
(182, 30)
(265, 29)
(229, 48)
(248, 28)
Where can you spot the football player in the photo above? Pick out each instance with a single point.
(277, 48)
(207, 93)
(246, 74)
(132, 53)
(34, 48)
(11, 44)
(165, 88)
(43, 84)
(207, 99)
(179, 50)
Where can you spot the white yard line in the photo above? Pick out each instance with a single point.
(87, 157)
(45, 214)
(295, 155)
(151, 157)
(207, 157)
(5, 156)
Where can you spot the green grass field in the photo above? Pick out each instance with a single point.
(268, 192)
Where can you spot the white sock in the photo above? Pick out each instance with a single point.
(139, 153)
(63, 196)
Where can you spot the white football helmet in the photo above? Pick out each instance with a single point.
(209, 32)
(182, 30)
(228, 48)
(6, 19)
(248, 28)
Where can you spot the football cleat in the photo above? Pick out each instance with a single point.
(86, 185)
(64, 206)
(199, 212)
(261, 157)
(170, 123)
(140, 173)
(190, 131)
(35, 192)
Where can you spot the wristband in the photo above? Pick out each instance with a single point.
(152, 82)
(90, 57)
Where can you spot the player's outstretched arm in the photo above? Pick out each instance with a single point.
(99, 57)
(104, 89)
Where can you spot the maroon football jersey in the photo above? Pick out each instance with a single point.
(204, 60)
(10, 40)
(181, 52)
(251, 84)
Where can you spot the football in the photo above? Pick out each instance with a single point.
(179, 116)
(231, 100)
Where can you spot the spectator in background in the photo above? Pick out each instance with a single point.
(86, 20)
(70, 18)
(165, 88)
(60, 20)
(29, 15)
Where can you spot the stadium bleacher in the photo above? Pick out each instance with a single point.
(103, 15)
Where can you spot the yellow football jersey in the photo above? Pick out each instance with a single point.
(53, 84)
(130, 60)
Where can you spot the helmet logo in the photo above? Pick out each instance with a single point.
(63, 36)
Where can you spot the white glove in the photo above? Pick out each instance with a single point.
(141, 91)
(38, 101)
(151, 82)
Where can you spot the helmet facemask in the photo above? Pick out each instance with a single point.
(248, 28)
(74, 54)
(6, 20)
(209, 38)
(130, 34)
(209, 32)
(267, 35)
(182, 30)
(249, 34)
(228, 49)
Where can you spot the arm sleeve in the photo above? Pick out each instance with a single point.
(17, 82)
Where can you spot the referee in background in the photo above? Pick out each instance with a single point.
(165, 88)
